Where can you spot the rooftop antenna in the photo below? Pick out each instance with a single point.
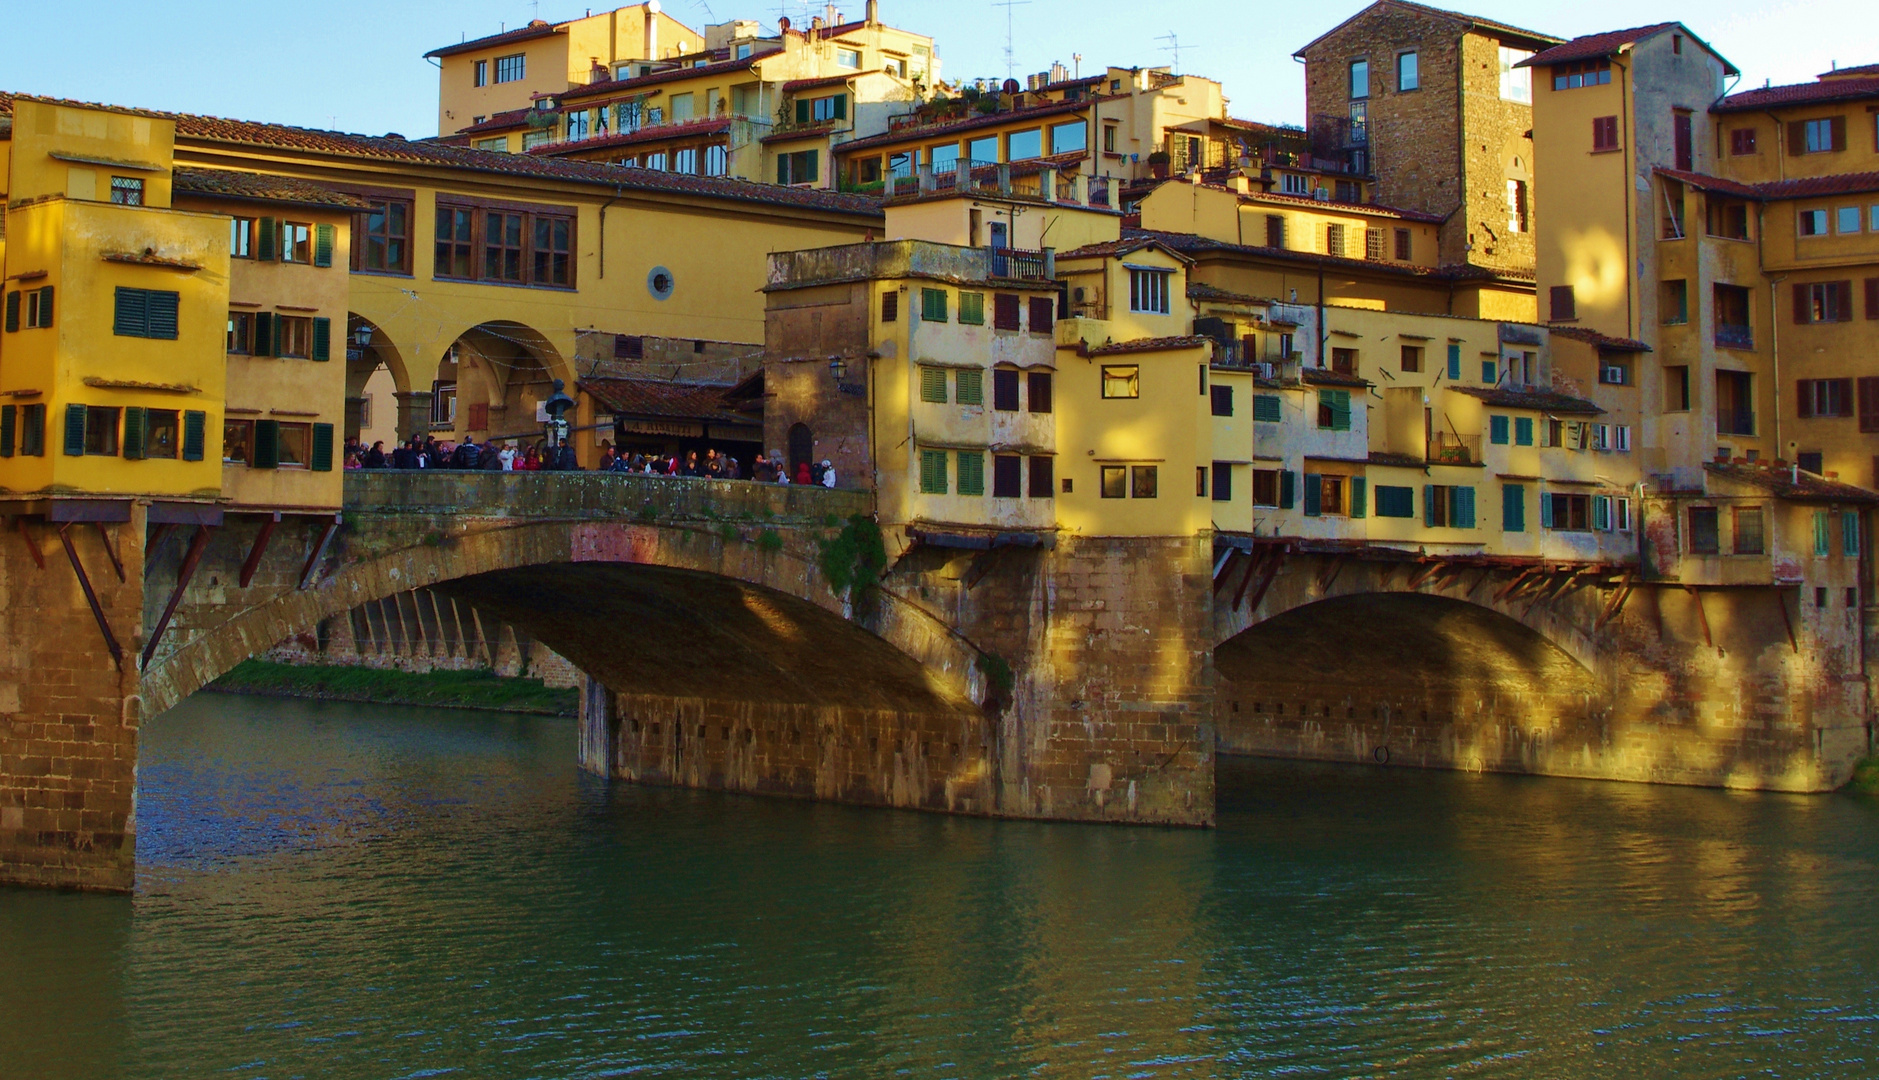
(1076, 59)
(1011, 55)
(1174, 46)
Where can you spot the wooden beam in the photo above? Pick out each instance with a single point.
(1252, 565)
(32, 546)
(1781, 601)
(110, 548)
(1416, 579)
(183, 576)
(253, 561)
(1328, 576)
(1518, 581)
(1615, 605)
(319, 552)
(1223, 569)
(91, 597)
(1702, 617)
(1272, 571)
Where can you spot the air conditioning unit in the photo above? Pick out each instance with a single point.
(1615, 375)
(1264, 370)
(1321, 194)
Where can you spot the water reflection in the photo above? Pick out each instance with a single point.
(343, 891)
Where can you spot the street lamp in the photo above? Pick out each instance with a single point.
(557, 405)
(838, 368)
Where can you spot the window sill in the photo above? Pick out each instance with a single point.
(504, 284)
(387, 273)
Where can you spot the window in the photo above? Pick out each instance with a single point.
(685, 160)
(1513, 508)
(1812, 222)
(932, 472)
(1741, 142)
(293, 444)
(1727, 218)
(238, 442)
(1024, 145)
(1402, 245)
(1407, 77)
(1121, 381)
(1115, 482)
(1043, 314)
(145, 313)
(1517, 206)
(1673, 302)
(503, 255)
(1334, 410)
(1614, 374)
(293, 336)
(1007, 312)
(1516, 82)
(1846, 220)
(971, 473)
(577, 125)
(241, 332)
(1038, 383)
(1373, 245)
(1275, 227)
(1070, 137)
(1294, 184)
(817, 110)
(553, 251)
(384, 237)
(296, 240)
(1490, 372)
(971, 309)
(742, 52)
(933, 385)
(241, 238)
(1731, 303)
(127, 191)
(519, 247)
(1222, 399)
(1447, 506)
(1868, 386)
(1823, 398)
(717, 160)
(1007, 476)
(848, 58)
(800, 167)
(1395, 502)
(1265, 487)
(1823, 136)
(1684, 140)
(1334, 240)
(454, 225)
(481, 74)
(1148, 291)
(1566, 513)
(443, 402)
(158, 433)
(1523, 431)
(1677, 388)
(1735, 403)
(1849, 536)
(1360, 79)
(1604, 133)
(1144, 481)
(969, 387)
(1344, 361)
(511, 68)
(1823, 301)
(1498, 427)
(1042, 471)
(1585, 73)
(933, 305)
(1749, 538)
(38, 308)
(1412, 358)
(1005, 390)
(1266, 408)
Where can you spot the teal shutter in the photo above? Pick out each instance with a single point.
(263, 334)
(195, 434)
(1428, 506)
(264, 238)
(1359, 497)
(1288, 488)
(131, 315)
(841, 106)
(1513, 508)
(1849, 534)
(1461, 507)
(136, 422)
(267, 444)
(322, 338)
(802, 110)
(8, 418)
(74, 430)
(1602, 513)
(13, 312)
(1523, 431)
(1490, 372)
(814, 172)
(45, 306)
(1546, 510)
(322, 448)
(1454, 361)
(324, 237)
(33, 430)
(1314, 495)
(1822, 541)
(1497, 430)
(163, 307)
(1340, 402)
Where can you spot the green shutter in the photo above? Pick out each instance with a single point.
(1339, 402)
(1428, 506)
(1360, 503)
(1513, 508)
(195, 434)
(971, 472)
(841, 106)
(933, 385)
(322, 338)
(814, 171)
(1454, 361)
(13, 312)
(1490, 372)
(1497, 430)
(1266, 408)
(45, 306)
(802, 110)
(324, 237)
(1849, 533)
(1314, 494)
(322, 448)
(1288, 489)
(1822, 540)
(267, 444)
(933, 305)
(131, 316)
(933, 472)
(1602, 513)
(162, 307)
(1461, 507)
(972, 309)
(1523, 431)
(136, 423)
(263, 344)
(970, 390)
(33, 430)
(74, 430)
(264, 244)
(8, 418)
(1546, 510)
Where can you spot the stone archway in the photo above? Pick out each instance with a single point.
(498, 371)
(368, 349)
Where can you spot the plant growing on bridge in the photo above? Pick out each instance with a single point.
(647, 513)
(769, 541)
(854, 559)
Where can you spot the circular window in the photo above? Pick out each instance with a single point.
(659, 283)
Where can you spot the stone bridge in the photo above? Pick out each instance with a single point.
(1090, 678)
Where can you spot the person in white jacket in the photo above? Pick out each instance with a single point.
(828, 473)
(507, 456)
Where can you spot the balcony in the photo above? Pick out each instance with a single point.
(1735, 421)
(1734, 337)
(1448, 448)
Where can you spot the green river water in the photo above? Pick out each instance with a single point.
(337, 890)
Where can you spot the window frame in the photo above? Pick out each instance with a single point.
(1119, 377)
(1149, 289)
(1414, 81)
(510, 68)
(478, 248)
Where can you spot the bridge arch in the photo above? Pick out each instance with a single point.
(501, 369)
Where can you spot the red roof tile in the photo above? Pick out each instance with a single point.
(1539, 400)
(796, 86)
(1793, 483)
(502, 121)
(1192, 245)
(714, 126)
(1806, 187)
(259, 187)
(1318, 376)
(1840, 73)
(650, 397)
(535, 29)
(1110, 249)
(1604, 342)
(1141, 345)
(914, 134)
(1814, 93)
(1594, 46)
(627, 86)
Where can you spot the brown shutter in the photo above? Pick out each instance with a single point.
(1839, 132)
(1800, 305)
(1843, 301)
(1869, 403)
(1797, 138)
(1804, 398)
(1872, 298)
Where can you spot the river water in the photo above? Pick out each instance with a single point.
(334, 890)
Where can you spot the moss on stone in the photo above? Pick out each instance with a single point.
(479, 689)
(1866, 776)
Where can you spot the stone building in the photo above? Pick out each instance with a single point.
(1433, 105)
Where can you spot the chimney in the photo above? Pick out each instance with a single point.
(1241, 184)
(652, 29)
(874, 12)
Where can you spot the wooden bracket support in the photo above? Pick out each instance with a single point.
(183, 576)
(1781, 601)
(319, 552)
(1702, 617)
(1617, 603)
(1252, 567)
(32, 546)
(1272, 571)
(1328, 576)
(255, 552)
(91, 597)
(1423, 574)
(110, 548)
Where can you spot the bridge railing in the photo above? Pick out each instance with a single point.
(591, 495)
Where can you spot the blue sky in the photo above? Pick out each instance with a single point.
(357, 65)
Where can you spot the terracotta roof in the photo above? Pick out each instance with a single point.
(1469, 20)
(1191, 245)
(1111, 249)
(1793, 483)
(1200, 290)
(818, 130)
(1814, 93)
(650, 397)
(1710, 183)
(1845, 72)
(970, 123)
(1407, 461)
(1594, 46)
(260, 187)
(627, 86)
(1142, 345)
(795, 86)
(1604, 342)
(502, 121)
(1318, 376)
(1537, 400)
(1332, 204)
(535, 29)
(662, 132)
(1806, 187)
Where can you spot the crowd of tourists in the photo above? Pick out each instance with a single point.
(428, 452)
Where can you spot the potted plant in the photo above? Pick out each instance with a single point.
(1158, 164)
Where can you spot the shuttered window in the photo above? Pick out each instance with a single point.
(1266, 408)
(972, 309)
(267, 444)
(1042, 484)
(322, 456)
(9, 419)
(1222, 400)
(1823, 534)
(970, 387)
(890, 306)
(1359, 496)
(1849, 535)
(1513, 508)
(74, 431)
(324, 239)
(322, 338)
(32, 430)
(1523, 431)
(195, 434)
(1314, 495)
(933, 385)
(1396, 502)
(145, 313)
(1039, 384)
(135, 428)
(1007, 476)
(1005, 390)
(1288, 489)
(932, 472)
(1454, 361)
(1334, 410)
(971, 472)
(1043, 314)
(933, 305)
(13, 312)
(1007, 312)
